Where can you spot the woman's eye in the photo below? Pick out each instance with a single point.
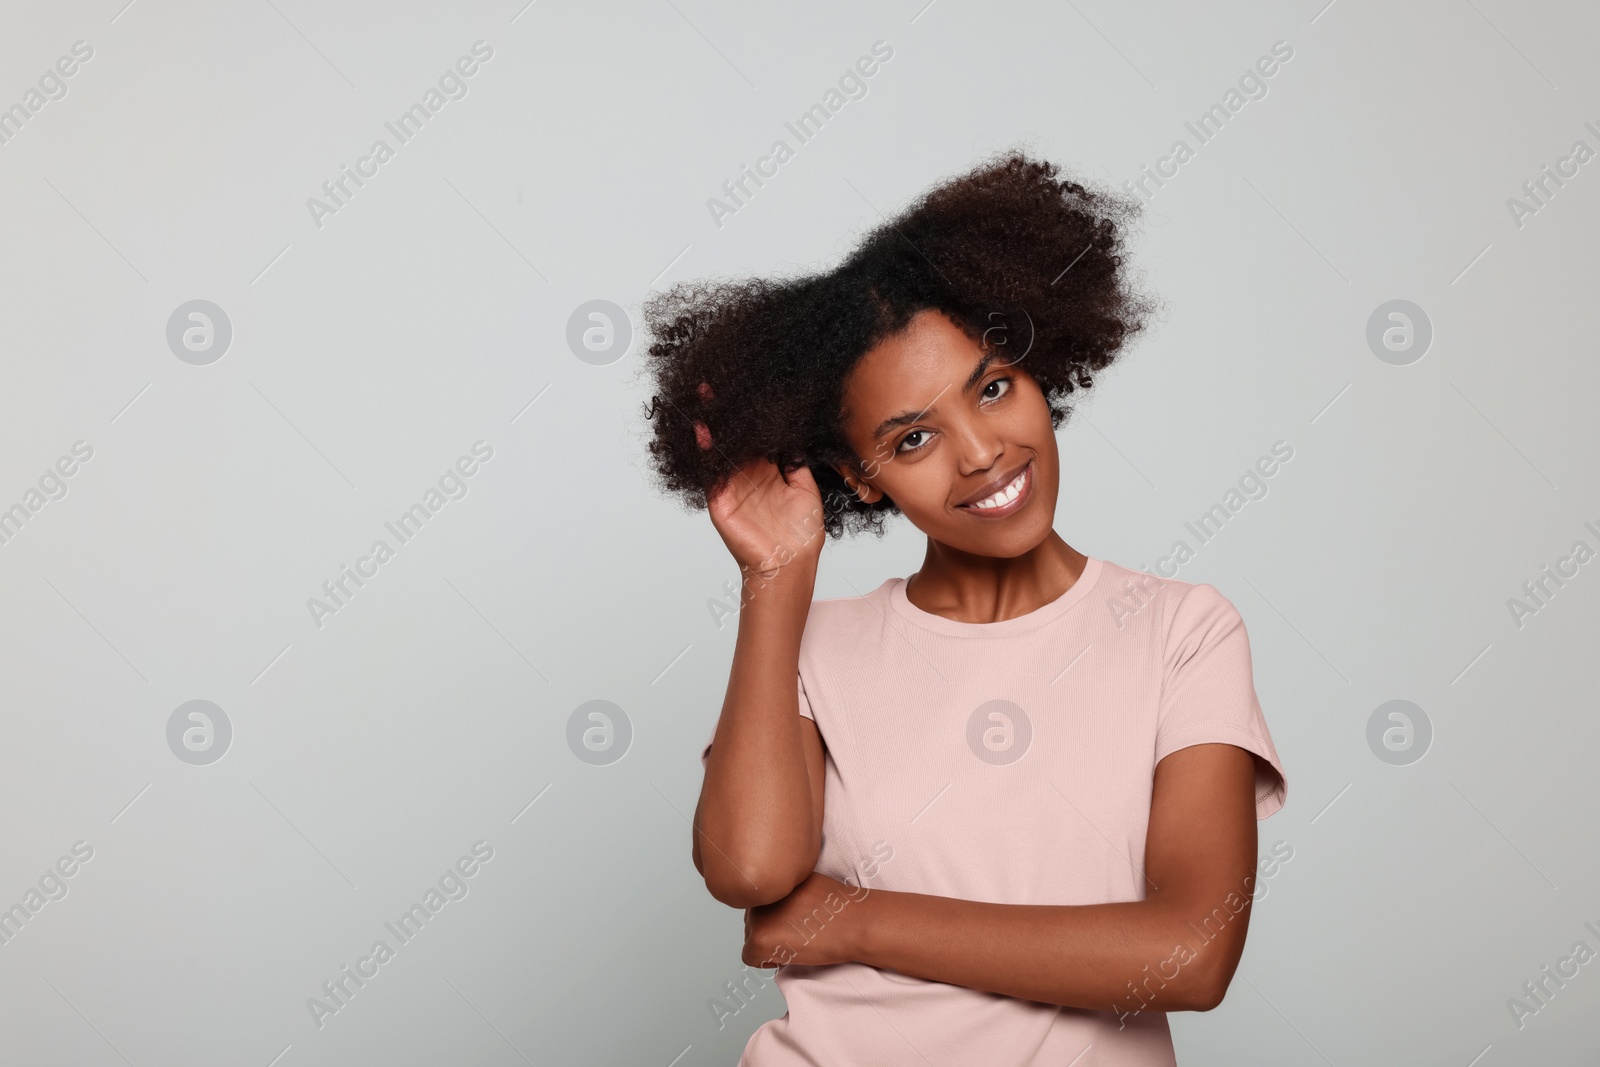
(1003, 392)
(902, 449)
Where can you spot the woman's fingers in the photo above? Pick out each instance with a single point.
(702, 434)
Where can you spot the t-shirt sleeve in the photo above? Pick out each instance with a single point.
(1208, 692)
(805, 709)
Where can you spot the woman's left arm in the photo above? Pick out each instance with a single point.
(1176, 950)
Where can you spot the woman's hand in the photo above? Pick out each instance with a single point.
(766, 520)
(820, 922)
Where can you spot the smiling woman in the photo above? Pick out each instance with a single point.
(1069, 794)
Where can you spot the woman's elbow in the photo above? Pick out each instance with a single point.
(750, 888)
(1205, 989)
(1204, 998)
(743, 880)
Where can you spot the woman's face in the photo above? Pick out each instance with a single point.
(937, 430)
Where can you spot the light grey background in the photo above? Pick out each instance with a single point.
(431, 312)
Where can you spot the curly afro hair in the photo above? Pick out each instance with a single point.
(763, 362)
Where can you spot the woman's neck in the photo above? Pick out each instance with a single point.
(968, 588)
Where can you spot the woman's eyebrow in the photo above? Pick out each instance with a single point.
(907, 417)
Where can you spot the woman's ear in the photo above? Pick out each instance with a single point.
(864, 492)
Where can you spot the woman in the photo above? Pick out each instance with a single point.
(1003, 811)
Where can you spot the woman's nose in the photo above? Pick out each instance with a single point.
(978, 445)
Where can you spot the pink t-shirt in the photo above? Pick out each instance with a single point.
(1010, 762)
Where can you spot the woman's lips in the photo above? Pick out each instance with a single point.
(1024, 493)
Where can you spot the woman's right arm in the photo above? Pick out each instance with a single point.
(758, 825)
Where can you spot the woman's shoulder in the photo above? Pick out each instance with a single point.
(854, 621)
(1183, 605)
(835, 611)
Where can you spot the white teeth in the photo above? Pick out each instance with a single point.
(1004, 496)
